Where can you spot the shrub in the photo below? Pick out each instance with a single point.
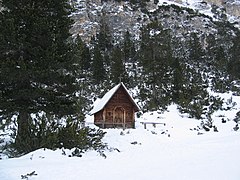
(49, 132)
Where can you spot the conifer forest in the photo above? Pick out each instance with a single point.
(50, 75)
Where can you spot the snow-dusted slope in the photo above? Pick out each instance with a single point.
(179, 150)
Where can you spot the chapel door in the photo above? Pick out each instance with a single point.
(119, 115)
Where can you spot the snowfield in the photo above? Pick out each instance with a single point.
(180, 150)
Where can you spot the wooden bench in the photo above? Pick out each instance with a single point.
(153, 123)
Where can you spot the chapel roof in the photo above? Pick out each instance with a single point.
(106, 98)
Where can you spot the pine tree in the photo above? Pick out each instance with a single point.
(216, 63)
(130, 58)
(118, 72)
(36, 62)
(83, 62)
(193, 95)
(104, 36)
(234, 64)
(82, 55)
(178, 80)
(129, 50)
(156, 59)
(99, 72)
(196, 52)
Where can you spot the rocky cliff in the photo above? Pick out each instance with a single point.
(193, 15)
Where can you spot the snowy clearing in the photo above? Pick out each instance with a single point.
(178, 150)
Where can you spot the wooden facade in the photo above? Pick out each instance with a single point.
(118, 109)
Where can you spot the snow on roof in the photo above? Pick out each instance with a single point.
(98, 106)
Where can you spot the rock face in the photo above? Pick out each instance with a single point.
(118, 16)
(232, 6)
(216, 2)
(122, 16)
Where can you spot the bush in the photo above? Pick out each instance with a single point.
(51, 133)
(237, 117)
(82, 139)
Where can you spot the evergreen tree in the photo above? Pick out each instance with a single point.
(82, 55)
(104, 36)
(99, 72)
(36, 62)
(83, 62)
(130, 58)
(178, 81)
(101, 52)
(196, 52)
(129, 51)
(155, 59)
(193, 95)
(217, 63)
(234, 63)
(118, 72)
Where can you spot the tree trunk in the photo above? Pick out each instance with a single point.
(23, 142)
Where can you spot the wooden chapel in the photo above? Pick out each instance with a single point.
(116, 109)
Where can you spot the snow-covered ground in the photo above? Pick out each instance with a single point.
(176, 151)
